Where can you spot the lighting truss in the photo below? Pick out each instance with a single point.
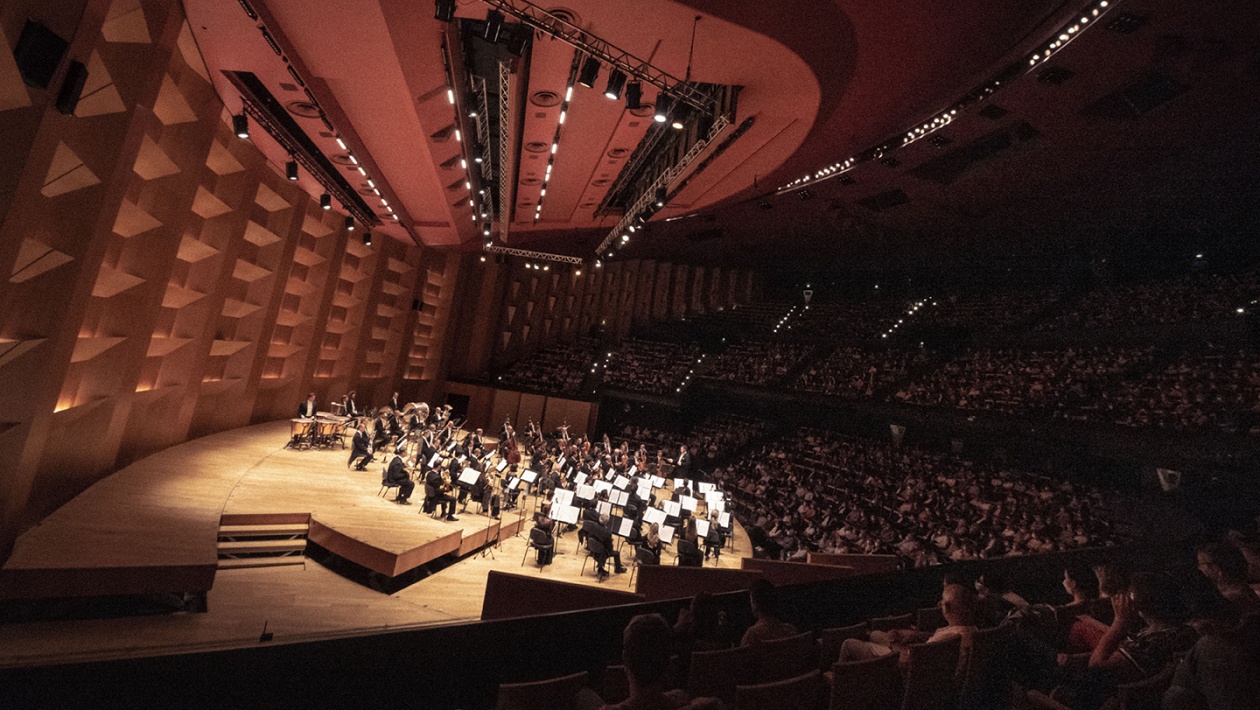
(505, 175)
(483, 127)
(529, 254)
(662, 181)
(347, 199)
(605, 52)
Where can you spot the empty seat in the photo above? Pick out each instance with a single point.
(866, 685)
(931, 675)
(985, 673)
(797, 693)
(558, 693)
(716, 673)
(786, 657)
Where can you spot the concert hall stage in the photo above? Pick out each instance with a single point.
(154, 527)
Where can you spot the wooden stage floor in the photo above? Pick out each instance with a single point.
(165, 510)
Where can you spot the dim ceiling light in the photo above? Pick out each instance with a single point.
(664, 104)
(589, 72)
(240, 125)
(325, 201)
(349, 224)
(291, 170)
(634, 95)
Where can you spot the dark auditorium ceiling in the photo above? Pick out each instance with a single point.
(1149, 117)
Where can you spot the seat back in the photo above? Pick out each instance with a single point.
(866, 685)
(985, 675)
(716, 673)
(560, 693)
(796, 693)
(539, 538)
(1145, 694)
(931, 675)
(888, 623)
(786, 657)
(616, 685)
(929, 619)
(830, 641)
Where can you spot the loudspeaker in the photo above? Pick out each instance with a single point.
(38, 52)
(72, 87)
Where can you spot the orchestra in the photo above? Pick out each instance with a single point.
(608, 492)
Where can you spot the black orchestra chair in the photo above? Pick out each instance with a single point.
(558, 693)
(594, 549)
(540, 541)
(642, 556)
(385, 486)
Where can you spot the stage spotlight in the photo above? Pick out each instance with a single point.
(325, 201)
(590, 71)
(634, 95)
(664, 104)
(494, 25)
(660, 197)
(444, 10)
(240, 125)
(616, 81)
(519, 41)
(349, 224)
(367, 238)
(290, 170)
(680, 117)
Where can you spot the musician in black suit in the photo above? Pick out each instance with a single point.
(306, 410)
(682, 467)
(396, 475)
(393, 402)
(361, 446)
(478, 442)
(352, 410)
(436, 494)
(599, 531)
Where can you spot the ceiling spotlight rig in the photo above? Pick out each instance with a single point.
(472, 154)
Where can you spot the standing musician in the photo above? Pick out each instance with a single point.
(437, 491)
(564, 432)
(361, 446)
(306, 410)
(428, 443)
(393, 402)
(396, 475)
(476, 441)
(682, 467)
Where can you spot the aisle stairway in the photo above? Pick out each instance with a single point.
(245, 543)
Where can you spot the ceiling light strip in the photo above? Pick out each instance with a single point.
(662, 181)
(605, 52)
(545, 256)
(1058, 40)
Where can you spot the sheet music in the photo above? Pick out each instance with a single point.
(679, 483)
(604, 507)
(724, 519)
(529, 476)
(585, 492)
(654, 515)
(512, 484)
(633, 470)
(672, 508)
(645, 491)
(688, 503)
(433, 461)
(624, 527)
(579, 479)
(702, 527)
(562, 496)
(502, 465)
(565, 514)
(667, 534)
(705, 487)
(713, 497)
(469, 476)
(560, 463)
(716, 508)
(601, 486)
(657, 482)
(619, 497)
(621, 482)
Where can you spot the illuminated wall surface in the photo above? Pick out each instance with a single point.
(163, 281)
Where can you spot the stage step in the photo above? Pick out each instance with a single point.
(250, 562)
(236, 532)
(243, 545)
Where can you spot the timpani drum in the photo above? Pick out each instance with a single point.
(300, 431)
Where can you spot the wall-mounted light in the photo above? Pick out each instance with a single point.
(240, 125)
(325, 201)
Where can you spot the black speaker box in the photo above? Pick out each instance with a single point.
(38, 52)
(72, 87)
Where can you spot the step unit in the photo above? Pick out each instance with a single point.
(247, 541)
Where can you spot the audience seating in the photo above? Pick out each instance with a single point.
(616, 685)
(798, 693)
(931, 675)
(929, 619)
(716, 673)
(556, 693)
(830, 641)
(786, 658)
(985, 679)
(866, 685)
(896, 621)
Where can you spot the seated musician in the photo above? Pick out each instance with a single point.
(437, 492)
(360, 446)
(306, 410)
(713, 541)
(599, 531)
(347, 401)
(689, 554)
(476, 441)
(396, 475)
(381, 435)
(652, 542)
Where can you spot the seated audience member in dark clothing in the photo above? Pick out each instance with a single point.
(1226, 567)
(769, 625)
(646, 646)
(1221, 672)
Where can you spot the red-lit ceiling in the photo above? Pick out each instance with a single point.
(823, 79)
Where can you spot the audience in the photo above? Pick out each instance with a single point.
(757, 363)
(1190, 298)
(650, 366)
(854, 373)
(559, 370)
(768, 626)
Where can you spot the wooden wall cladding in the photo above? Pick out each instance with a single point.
(163, 280)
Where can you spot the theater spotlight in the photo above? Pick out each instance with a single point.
(494, 25)
(680, 117)
(290, 170)
(444, 10)
(616, 81)
(325, 201)
(660, 197)
(367, 238)
(349, 224)
(634, 95)
(663, 106)
(240, 125)
(590, 71)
